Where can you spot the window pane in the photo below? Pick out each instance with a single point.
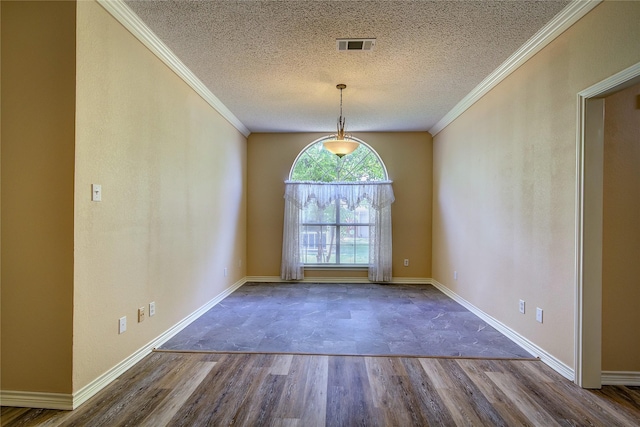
(317, 244)
(347, 245)
(311, 214)
(362, 213)
(362, 244)
(346, 216)
(317, 164)
(336, 235)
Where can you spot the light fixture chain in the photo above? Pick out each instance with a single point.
(341, 145)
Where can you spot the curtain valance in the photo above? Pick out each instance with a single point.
(378, 193)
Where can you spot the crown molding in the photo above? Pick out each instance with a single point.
(563, 20)
(132, 22)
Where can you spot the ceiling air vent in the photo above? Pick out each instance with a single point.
(355, 44)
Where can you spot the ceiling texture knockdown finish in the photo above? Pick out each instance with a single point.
(275, 64)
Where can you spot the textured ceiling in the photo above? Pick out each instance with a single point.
(275, 65)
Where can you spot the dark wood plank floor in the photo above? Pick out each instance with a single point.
(198, 389)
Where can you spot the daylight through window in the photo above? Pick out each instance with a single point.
(333, 211)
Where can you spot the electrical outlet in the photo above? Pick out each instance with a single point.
(521, 306)
(152, 308)
(122, 325)
(406, 262)
(225, 272)
(539, 314)
(455, 275)
(141, 314)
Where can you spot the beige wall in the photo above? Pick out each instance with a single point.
(621, 232)
(407, 157)
(173, 210)
(505, 181)
(38, 102)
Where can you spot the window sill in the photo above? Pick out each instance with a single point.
(336, 267)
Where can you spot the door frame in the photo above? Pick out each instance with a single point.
(589, 205)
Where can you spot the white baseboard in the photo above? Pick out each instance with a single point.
(411, 280)
(628, 378)
(72, 401)
(277, 279)
(550, 360)
(28, 399)
(102, 381)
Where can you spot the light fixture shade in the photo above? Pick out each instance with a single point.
(340, 147)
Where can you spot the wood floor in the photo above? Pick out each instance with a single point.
(197, 389)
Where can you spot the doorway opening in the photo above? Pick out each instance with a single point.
(589, 224)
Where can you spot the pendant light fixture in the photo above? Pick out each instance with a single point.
(340, 144)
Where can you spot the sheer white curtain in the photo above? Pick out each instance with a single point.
(291, 268)
(299, 194)
(380, 245)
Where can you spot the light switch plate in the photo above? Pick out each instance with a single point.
(96, 192)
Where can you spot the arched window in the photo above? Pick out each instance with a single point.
(337, 212)
(315, 164)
